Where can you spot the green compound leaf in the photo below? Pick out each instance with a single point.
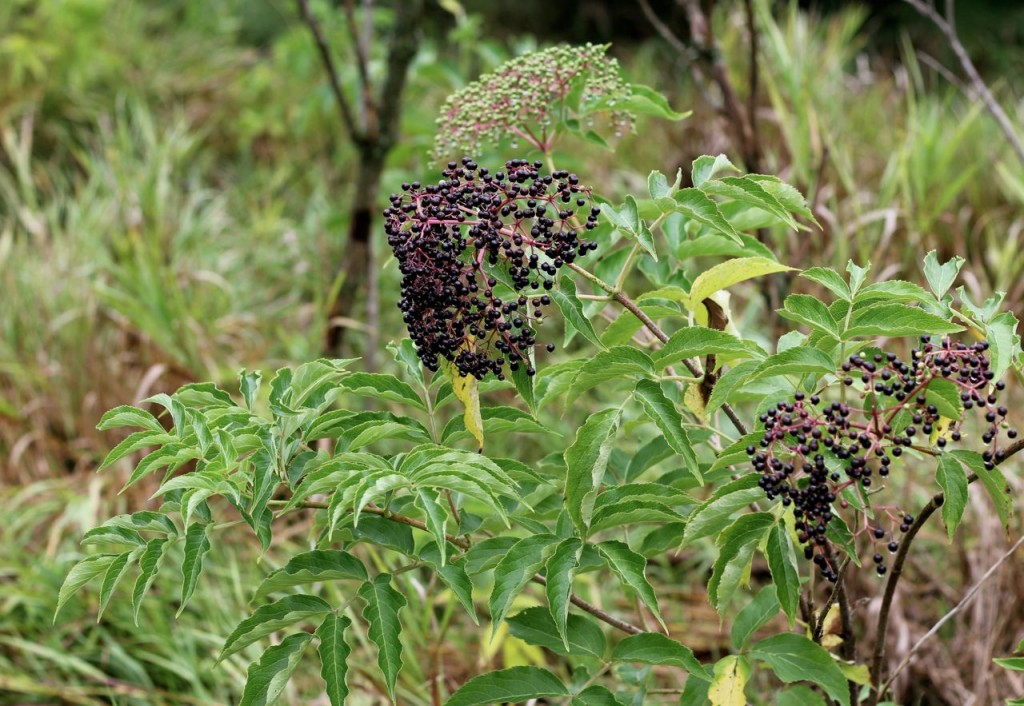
(953, 481)
(697, 206)
(809, 310)
(454, 576)
(559, 572)
(795, 658)
(655, 648)
(128, 416)
(830, 279)
(268, 677)
(313, 567)
(894, 320)
(994, 481)
(113, 575)
(382, 387)
(271, 618)
(795, 361)
(629, 567)
(759, 611)
(697, 342)
(513, 685)
(334, 653)
(586, 461)
(383, 603)
(572, 311)
(197, 544)
(663, 412)
(714, 514)
(736, 548)
(149, 564)
(941, 276)
(535, 626)
(618, 363)
(782, 563)
(82, 573)
(514, 571)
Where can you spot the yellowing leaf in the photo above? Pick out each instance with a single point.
(731, 674)
(725, 275)
(466, 391)
(695, 402)
(943, 428)
(857, 673)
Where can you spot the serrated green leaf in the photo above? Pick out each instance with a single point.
(486, 553)
(630, 568)
(658, 186)
(791, 199)
(698, 341)
(513, 685)
(697, 206)
(436, 518)
(894, 291)
(313, 567)
(795, 361)
(749, 191)
(643, 100)
(268, 677)
(535, 627)
(382, 387)
(754, 615)
(572, 311)
(113, 575)
(953, 481)
(781, 557)
(655, 648)
(514, 571)
(945, 395)
(736, 547)
(1004, 343)
(811, 311)
(894, 320)
(941, 276)
(729, 383)
(149, 564)
(197, 543)
(135, 442)
(334, 652)
(706, 167)
(559, 572)
(618, 363)
(454, 576)
(273, 617)
(713, 515)
(249, 385)
(663, 412)
(829, 279)
(128, 416)
(383, 603)
(596, 695)
(525, 383)
(994, 481)
(586, 461)
(795, 658)
(800, 695)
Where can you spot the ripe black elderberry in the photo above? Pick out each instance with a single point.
(807, 441)
(455, 239)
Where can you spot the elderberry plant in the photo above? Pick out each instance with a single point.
(429, 507)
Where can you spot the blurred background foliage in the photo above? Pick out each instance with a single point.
(173, 186)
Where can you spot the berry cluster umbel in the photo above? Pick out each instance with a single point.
(455, 239)
(520, 99)
(814, 449)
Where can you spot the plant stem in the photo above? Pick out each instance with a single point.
(878, 658)
(464, 543)
(623, 299)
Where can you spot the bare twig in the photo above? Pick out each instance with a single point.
(954, 611)
(947, 26)
(878, 658)
(347, 116)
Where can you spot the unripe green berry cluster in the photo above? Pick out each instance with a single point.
(522, 96)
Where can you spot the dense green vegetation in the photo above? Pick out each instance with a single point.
(176, 191)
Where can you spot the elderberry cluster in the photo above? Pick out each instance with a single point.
(455, 240)
(814, 449)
